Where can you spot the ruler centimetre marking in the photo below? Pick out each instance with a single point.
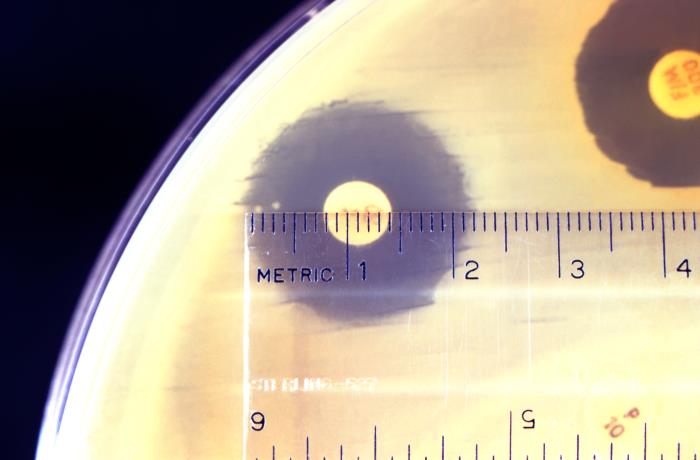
(375, 446)
(442, 222)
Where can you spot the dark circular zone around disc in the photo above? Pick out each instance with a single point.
(368, 142)
(613, 69)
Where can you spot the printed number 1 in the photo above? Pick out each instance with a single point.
(363, 266)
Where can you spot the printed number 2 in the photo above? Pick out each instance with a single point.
(472, 266)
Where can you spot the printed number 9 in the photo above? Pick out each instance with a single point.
(257, 420)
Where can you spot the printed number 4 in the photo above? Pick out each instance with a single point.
(684, 267)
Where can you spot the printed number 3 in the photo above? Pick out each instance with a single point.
(578, 272)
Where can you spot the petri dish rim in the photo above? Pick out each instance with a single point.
(141, 198)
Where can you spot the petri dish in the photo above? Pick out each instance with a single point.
(527, 176)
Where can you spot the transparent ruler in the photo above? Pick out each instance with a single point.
(450, 334)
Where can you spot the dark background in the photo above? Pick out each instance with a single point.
(90, 91)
